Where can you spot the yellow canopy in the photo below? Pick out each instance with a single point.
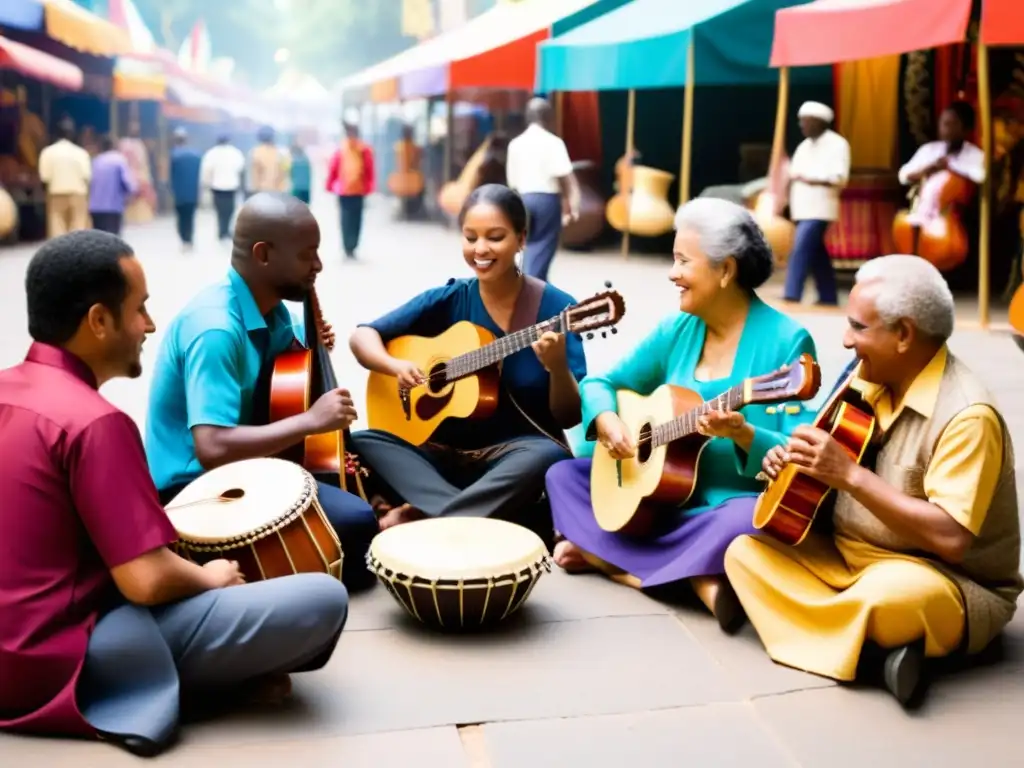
(78, 28)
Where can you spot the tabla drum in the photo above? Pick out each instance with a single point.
(263, 513)
(459, 573)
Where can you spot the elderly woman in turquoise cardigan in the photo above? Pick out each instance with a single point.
(722, 335)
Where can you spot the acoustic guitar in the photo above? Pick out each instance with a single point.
(298, 378)
(626, 494)
(463, 371)
(789, 505)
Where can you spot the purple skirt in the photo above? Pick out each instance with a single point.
(695, 546)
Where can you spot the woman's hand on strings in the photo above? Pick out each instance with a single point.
(550, 350)
(408, 374)
(613, 434)
(727, 424)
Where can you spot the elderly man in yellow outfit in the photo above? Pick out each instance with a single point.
(924, 557)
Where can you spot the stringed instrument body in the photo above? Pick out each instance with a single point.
(463, 369)
(641, 204)
(298, 378)
(628, 494)
(789, 506)
(407, 179)
(942, 239)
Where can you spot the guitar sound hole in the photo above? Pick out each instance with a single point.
(644, 448)
(437, 379)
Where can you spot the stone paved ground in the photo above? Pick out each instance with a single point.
(590, 673)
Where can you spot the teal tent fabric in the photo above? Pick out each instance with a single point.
(643, 45)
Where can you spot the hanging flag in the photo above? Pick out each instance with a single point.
(196, 52)
(418, 18)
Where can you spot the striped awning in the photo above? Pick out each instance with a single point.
(39, 65)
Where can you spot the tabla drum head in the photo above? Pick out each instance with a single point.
(454, 548)
(459, 573)
(239, 499)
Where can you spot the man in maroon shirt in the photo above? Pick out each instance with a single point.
(102, 626)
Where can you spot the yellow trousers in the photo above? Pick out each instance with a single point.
(815, 605)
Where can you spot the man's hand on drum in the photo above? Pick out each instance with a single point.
(224, 573)
(613, 434)
(333, 410)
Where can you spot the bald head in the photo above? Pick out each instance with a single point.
(276, 247)
(266, 217)
(538, 111)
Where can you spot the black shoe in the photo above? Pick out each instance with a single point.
(904, 674)
(137, 745)
(728, 609)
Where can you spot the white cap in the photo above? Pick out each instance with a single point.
(816, 109)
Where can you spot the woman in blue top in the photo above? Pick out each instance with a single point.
(722, 334)
(493, 467)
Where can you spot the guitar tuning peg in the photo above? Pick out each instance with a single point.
(607, 283)
(590, 335)
(604, 335)
(614, 330)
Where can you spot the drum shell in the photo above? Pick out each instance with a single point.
(460, 605)
(307, 544)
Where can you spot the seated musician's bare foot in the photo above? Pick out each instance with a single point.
(404, 513)
(569, 557)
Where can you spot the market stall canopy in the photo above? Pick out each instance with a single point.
(644, 45)
(39, 65)
(1002, 22)
(21, 14)
(832, 31)
(497, 49)
(71, 24)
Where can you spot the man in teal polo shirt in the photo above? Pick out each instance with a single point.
(201, 403)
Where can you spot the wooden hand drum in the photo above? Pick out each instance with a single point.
(459, 573)
(264, 513)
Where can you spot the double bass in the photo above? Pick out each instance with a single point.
(300, 376)
(942, 239)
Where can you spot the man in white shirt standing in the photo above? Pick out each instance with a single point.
(66, 170)
(538, 167)
(819, 170)
(221, 172)
(933, 162)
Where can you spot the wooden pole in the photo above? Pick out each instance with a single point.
(781, 110)
(985, 235)
(628, 192)
(560, 112)
(687, 153)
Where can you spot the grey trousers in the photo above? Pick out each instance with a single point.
(141, 660)
(503, 481)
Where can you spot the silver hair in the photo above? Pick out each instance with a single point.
(725, 229)
(912, 288)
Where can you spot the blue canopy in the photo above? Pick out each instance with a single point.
(643, 44)
(21, 14)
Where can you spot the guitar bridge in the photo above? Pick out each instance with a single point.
(403, 395)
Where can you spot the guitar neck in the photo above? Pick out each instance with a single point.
(686, 425)
(469, 363)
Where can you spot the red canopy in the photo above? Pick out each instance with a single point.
(830, 31)
(1002, 22)
(39, 65)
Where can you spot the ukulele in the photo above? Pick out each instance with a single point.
(626, 493)
(298, 378)
(463, 369)
(789, 505)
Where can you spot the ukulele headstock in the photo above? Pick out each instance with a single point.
(797, 381)
(602, 310)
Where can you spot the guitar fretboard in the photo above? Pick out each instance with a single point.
(685, 425)
(470, 362)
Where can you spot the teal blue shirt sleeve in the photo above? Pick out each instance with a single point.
(767, 437)
(212, 373)
(641, 371)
